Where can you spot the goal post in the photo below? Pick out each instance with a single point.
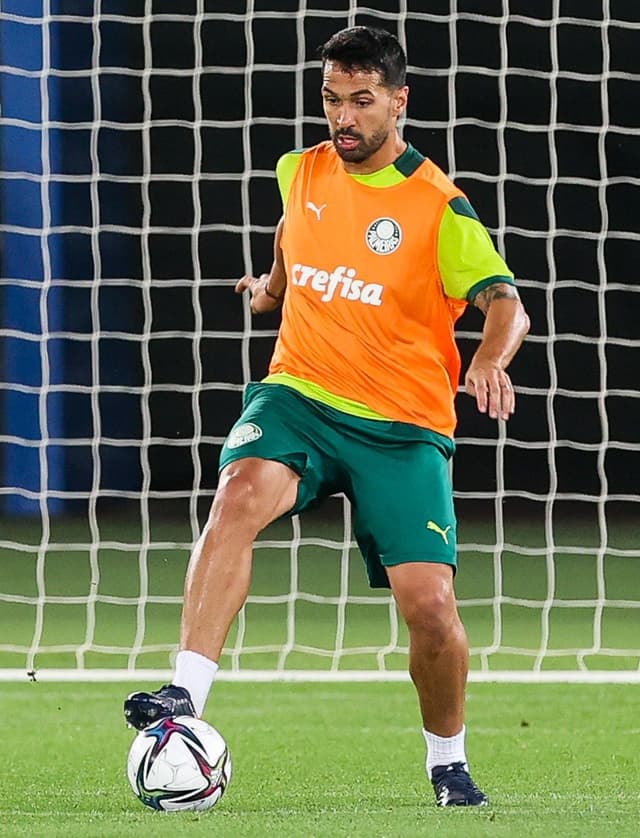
(137, 155)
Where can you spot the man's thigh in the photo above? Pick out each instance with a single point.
(279, 424)
(403, 507)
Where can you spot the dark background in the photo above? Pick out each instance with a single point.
(165, 195)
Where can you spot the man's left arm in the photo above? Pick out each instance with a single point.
(472, 270)
(505, 326)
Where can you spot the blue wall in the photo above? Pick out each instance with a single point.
(46, 308)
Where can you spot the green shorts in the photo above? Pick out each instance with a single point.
(395, 475)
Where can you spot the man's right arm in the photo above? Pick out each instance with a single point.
(267, 290)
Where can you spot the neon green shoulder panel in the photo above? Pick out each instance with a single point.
(467, 258)
(286, 169)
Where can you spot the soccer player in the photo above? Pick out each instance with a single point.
(376, 256)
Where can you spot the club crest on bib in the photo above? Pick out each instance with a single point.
(383, 236)
(248, 432)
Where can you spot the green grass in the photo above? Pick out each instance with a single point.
(330, 760)
(319, 760)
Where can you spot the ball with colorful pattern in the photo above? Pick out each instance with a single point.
(180, 764)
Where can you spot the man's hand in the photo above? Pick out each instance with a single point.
(505, 326)
(492, 389)
(263, 297)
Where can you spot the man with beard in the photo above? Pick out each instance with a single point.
(376, 256)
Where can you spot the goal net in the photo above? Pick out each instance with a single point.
(137, 160)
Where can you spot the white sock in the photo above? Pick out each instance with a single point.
(196, 673)
(443, 750)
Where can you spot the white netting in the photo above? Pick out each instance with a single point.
(137, 155)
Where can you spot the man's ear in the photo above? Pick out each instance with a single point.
(400, 99)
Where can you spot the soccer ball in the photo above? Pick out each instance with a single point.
(179, 765)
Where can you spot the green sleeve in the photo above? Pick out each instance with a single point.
(286, 168)
(467, 258)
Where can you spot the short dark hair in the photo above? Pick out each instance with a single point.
(368, 48)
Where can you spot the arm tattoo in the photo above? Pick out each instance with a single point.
(497, 291)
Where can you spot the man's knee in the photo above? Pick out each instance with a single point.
(431, 615)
